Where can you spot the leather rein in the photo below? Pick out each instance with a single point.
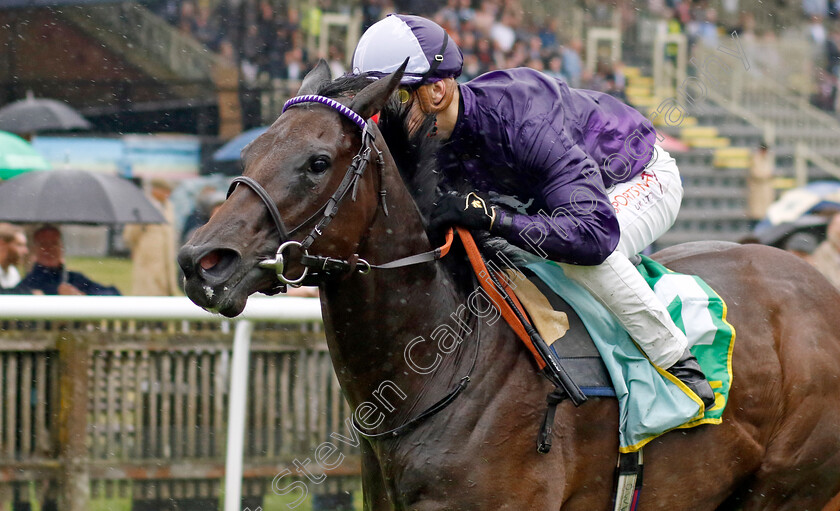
(315, 266)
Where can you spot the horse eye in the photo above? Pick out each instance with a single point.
(319, 165)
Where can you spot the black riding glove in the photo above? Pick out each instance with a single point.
(471, 211)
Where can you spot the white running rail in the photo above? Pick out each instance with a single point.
(280, 309)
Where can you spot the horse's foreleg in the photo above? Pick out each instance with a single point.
(373, 485)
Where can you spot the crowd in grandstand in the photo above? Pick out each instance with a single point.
(492, 35)
(269, 40)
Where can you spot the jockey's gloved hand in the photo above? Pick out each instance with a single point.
(471, 211)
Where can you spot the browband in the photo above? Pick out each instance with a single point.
(314, 98)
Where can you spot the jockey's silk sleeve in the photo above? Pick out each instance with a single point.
(576, 223)
(522, 133)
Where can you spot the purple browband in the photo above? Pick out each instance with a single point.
(312, 98)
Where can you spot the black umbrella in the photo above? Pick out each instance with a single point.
(75, 197)
(777, 235)
(32, 115)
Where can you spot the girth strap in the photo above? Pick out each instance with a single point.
(627, 485)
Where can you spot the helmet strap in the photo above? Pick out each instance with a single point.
(437, 60)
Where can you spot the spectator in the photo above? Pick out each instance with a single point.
(555, 67)
(187, 21)
(833, 52)
(811, 8)
(826, 258)
(295, 68)
(710, 30)
(760, 193)
(205, 29)
(472, 67)
(270, 43)
(206, 204)
(817, 33)
(153, 248)
(548, 34)
(466, 13)
(49, 276)
(572, 63)
(371, 12)
(336, 61)
(12, 251)
(503, 34)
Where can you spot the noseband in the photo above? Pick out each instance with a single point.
(328, 211)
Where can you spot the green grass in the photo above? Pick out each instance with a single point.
(109, 271)
(273, 502)
(110, 505)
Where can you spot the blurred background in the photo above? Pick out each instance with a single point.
(164, 83)
(742, 92)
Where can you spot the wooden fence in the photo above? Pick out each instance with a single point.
(138, 409)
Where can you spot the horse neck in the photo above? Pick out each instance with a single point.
(371, 318)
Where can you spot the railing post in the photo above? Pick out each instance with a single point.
(236, 414)
(74, 362)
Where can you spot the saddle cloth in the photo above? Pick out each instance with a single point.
(607, 362)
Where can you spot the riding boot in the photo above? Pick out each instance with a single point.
(688, 371)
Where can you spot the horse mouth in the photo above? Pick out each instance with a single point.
(220, 282)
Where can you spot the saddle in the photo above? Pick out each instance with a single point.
(596, 353)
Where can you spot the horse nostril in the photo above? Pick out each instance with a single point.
(218, 265)
(210, 260)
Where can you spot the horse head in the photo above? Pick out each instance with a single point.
(312, 181)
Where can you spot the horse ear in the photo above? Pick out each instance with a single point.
(372, 98)
(315, 78)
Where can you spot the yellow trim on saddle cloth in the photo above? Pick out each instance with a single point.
(688, 392)
(551, 324)
(719, 399)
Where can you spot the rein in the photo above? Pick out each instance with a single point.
(432, 410)
(313, 264)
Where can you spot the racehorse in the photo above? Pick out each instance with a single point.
(778, 447)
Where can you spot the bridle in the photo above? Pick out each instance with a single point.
(317, 268)
(313, 264)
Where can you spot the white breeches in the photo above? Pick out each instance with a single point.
(646, 207)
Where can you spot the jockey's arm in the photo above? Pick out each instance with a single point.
(578, 224)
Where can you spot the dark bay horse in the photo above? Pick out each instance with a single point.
(778, 447)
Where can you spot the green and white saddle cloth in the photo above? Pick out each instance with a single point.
(652, 401)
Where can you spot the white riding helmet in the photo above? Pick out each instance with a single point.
(432, 55)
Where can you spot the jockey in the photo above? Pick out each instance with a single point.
(603, 190)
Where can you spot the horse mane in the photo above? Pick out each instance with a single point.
(414, 155)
